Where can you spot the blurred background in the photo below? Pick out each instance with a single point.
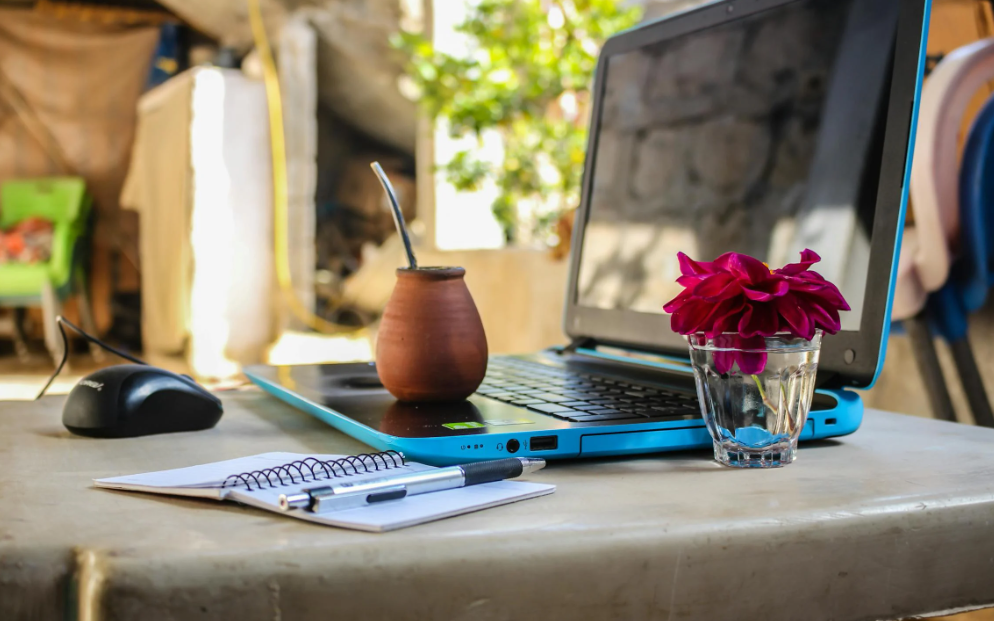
(190, 180)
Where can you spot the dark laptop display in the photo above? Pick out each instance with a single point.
(780, 130)
(714, 142)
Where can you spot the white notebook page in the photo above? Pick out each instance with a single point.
(206, 480)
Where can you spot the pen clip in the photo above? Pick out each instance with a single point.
(332, 501)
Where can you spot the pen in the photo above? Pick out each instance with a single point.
(346, 495)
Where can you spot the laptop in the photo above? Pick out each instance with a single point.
(757, 126)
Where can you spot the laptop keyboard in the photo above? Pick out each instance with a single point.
(581, 397)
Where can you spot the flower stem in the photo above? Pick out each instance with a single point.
(762, 393)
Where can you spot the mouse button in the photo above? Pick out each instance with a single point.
(198, 388)
(172, 410)
(91, 404)
(140, 386)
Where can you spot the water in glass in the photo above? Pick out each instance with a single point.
(755, 395)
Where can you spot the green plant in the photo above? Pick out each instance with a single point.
(527, 74)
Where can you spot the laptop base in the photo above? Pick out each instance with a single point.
(348, 397)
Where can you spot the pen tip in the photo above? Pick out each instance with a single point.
(531, 464)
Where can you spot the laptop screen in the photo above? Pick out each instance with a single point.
(761, 135)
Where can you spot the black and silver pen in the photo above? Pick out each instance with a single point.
(347, 495)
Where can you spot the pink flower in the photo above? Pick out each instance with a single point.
(740, 295)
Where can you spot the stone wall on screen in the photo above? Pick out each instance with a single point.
(718, 130)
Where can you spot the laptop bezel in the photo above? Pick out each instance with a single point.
(850, 358)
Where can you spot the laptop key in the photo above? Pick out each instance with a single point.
(504, 396)
(589, 406)
(648, 413)
(551, 397)
(574, 404)
(526, 402)
(552, 408)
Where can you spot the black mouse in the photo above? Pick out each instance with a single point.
(130, 400)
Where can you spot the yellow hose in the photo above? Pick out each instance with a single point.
(280, 193)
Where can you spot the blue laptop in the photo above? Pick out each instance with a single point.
(759, 126)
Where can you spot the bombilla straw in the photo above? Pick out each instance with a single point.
(398, 215)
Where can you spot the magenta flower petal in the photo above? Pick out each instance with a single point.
(828, 293)
(698, 315)
(759, 320)
(690, 267)
(688, 318)
(798, 321)
(808, 275)
(729, 320)
(808, 258)
(746, 268)
(701, 315)
(724, 361)
(822, 316)
(765, 292)
(690, 282)
(752, 362)
(718, 287)
(673, 305)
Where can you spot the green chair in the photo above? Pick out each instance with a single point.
(64, 202)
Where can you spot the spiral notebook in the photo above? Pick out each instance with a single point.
(259, 480)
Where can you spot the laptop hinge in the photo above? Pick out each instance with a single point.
(577, 343)
(827, 379)
(824, 379)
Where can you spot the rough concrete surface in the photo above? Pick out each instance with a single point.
(887, 523)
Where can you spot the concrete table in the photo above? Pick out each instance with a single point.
(893, 521)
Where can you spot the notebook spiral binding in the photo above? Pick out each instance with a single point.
(313, 469)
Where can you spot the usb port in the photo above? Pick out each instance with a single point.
(543, 443)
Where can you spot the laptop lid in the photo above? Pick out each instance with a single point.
(756, 126)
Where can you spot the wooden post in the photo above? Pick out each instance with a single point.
(424, 155)
(298, 83)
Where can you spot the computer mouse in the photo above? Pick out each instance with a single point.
(130, 400)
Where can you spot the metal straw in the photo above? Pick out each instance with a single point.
(398, 215)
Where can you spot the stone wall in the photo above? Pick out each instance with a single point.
(705, 145)
(678, 146)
